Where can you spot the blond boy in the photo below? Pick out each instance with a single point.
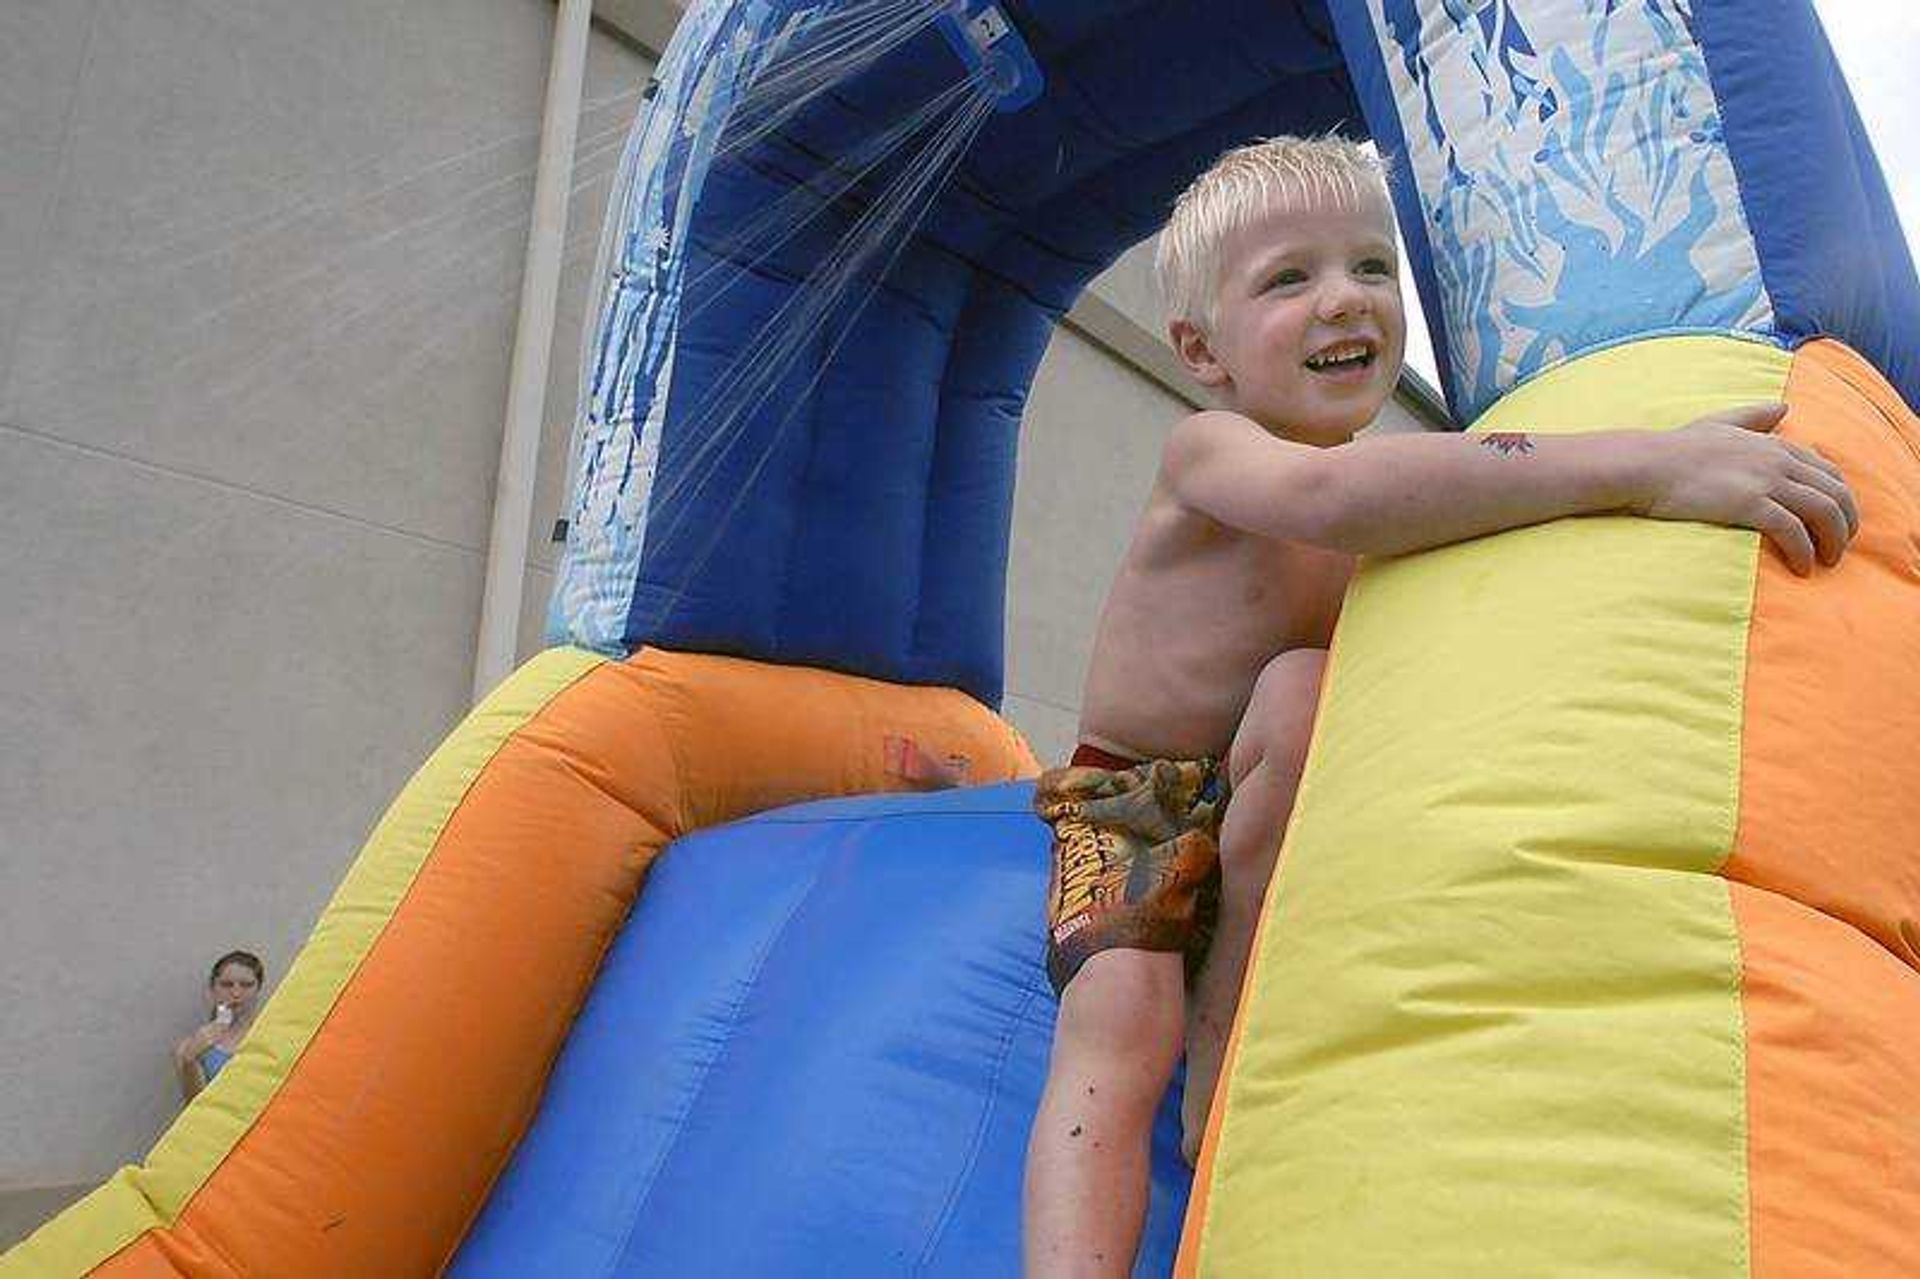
(1280, 271)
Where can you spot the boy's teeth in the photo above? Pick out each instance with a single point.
(1340, 356)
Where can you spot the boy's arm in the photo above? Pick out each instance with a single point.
(1401, 493)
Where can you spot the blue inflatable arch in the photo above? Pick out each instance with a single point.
(857, 490)
(875, 537)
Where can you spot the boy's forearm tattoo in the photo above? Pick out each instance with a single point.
(1507, 443)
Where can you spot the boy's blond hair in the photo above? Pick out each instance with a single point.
(1274, 174)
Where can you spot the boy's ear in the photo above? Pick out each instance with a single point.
(1191, 345)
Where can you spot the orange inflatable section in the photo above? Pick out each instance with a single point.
(1826, 872)
(381, 1145)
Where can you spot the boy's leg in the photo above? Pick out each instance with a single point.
(1114, 1050)
(1264, 766)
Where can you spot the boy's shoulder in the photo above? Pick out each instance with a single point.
(1205, 432)
(1225, 424)
(1205, 426)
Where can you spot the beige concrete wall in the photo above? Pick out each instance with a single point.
(258, 273)
(259, 267)
(1071, 524)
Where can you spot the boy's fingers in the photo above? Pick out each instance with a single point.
(1824, 518)
(1835, 488)
(1813, 457)
(1784, 529)
(1826, 522)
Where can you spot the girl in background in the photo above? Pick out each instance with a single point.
(233, 985)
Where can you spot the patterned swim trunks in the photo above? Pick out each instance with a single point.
(1136, 857)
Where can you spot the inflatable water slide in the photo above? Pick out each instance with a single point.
(1594, 947)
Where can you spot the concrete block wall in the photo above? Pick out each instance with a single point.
(259, 267)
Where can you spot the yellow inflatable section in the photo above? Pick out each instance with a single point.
(1593, 946)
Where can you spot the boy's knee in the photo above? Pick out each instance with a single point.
(1289, 685)
(1279, 717)
(1126, 1004)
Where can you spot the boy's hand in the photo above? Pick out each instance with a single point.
(1726, 468)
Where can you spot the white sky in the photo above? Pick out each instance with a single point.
(1878, 44)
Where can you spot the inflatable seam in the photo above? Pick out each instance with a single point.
(749, 982)
(1743, 1173)
(1757, 337)
(995, 1078)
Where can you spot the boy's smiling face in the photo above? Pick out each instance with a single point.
(1308, 331)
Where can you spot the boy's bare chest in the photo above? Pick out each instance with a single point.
(1185, 635)
(1252, 593)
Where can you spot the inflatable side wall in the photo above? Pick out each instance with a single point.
(344, 1139)
(1593, 950)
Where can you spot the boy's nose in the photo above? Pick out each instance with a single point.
(1341, 300)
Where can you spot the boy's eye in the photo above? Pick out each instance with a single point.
(1375, 266)
(1284, 278)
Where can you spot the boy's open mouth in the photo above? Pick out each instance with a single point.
(1341, 357)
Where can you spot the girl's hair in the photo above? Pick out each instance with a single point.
(245, 958)
(1245, 184)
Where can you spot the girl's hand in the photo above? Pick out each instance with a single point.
(199, 1041)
